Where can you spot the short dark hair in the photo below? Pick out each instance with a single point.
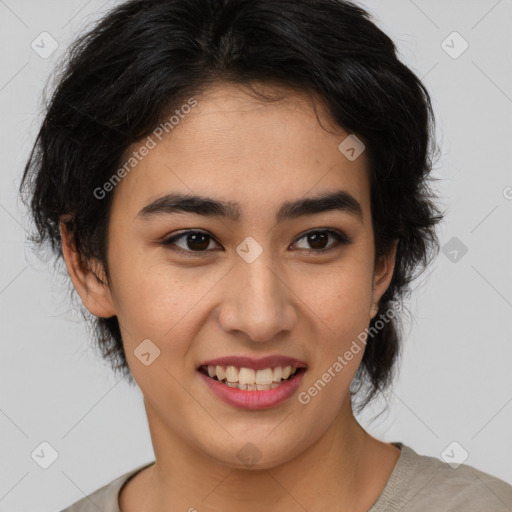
(143, 59)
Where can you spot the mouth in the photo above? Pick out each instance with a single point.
(251, 379)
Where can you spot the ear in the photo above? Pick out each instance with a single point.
(88, 277)
(382, 275)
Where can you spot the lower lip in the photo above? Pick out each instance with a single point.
(254, 399)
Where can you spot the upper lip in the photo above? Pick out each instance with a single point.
(255, 363)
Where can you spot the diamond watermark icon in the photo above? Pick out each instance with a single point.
(44, 455)
(454, 249)
(249, 454)
(454, 45)
(454, 454)
(351, 147)
(146, 352)
(249, 249)
(44, 45)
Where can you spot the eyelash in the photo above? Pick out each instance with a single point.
(340, 237)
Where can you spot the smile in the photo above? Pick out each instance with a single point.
(250, 379)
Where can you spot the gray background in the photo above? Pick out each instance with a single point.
(455, 382)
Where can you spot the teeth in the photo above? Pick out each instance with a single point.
(264, 376)
(232, 374)
(250, 379)
(251, 387)
(278, 372)
(247, 376)
(221, 374)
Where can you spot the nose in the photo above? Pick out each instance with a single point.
(257, 301)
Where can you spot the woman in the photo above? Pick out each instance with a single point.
(288, 139)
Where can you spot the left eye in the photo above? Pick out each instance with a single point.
(198, 241)
(317, 239)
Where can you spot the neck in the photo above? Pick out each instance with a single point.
(333, 472)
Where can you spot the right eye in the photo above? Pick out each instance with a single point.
(197, 242)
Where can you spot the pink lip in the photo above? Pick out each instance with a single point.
(256, 364)
(254, 399)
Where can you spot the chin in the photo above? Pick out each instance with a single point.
(256, 452)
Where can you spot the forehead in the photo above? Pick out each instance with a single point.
(237, 147)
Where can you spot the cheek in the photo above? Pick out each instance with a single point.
(153, 307)
(339, 303)
(161, 301)
(149, 299)
(341, 297)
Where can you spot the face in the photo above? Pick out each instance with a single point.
(199, 286)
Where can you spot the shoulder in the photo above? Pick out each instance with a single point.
(104, 498)
(421, 483)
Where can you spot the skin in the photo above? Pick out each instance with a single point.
(298, 303)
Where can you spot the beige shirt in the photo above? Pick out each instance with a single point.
(418, 483)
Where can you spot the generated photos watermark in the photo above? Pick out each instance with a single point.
(342, 360)
(158, 133)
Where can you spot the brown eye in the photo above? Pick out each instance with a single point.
(194, 241)
(318, 240)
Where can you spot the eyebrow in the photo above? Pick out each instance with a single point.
(168, 204)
